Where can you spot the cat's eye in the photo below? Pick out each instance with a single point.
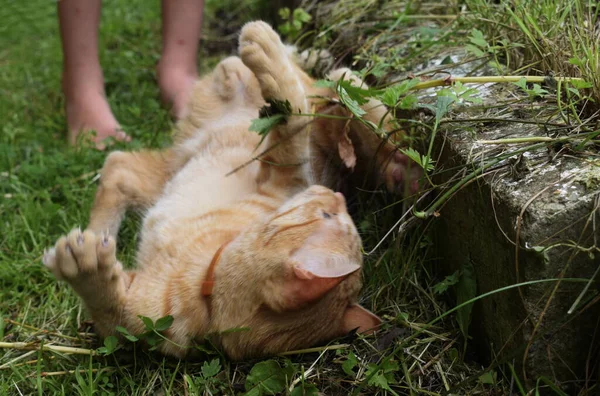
(326, 215)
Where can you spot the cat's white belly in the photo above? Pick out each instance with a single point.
(202, 186)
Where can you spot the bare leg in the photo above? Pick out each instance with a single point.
(177, 70)
(83, 82)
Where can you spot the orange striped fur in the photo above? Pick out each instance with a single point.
(291, 273)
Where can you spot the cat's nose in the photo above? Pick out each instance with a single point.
(340, 202)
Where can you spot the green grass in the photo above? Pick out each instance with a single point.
(47, 188)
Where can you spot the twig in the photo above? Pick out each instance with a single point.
(28, 346)
(315, 349)
(26, 326)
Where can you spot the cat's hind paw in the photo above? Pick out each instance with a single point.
(83, 257)
(263, 52)
(402, 175)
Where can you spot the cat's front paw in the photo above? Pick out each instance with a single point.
(83, 259)
(402, 175)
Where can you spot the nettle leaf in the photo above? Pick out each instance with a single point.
(349, 364)
(275, 112)
(264, 125)
(408, 102)
(442, 105)
(382, 376)
(579, 84)
(211, 369)
(450, 280)
(325, 84)
(470, 48)
(478, 38)
(358, 94)
(350, 103)
(466, 289)
(305, 390)
(423, 161)
(267, 378)
(522, 83)
(163, 323)
(391, 95)
(126, 334)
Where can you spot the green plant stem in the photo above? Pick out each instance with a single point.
(441, 82)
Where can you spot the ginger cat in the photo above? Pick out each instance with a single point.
(263, 248)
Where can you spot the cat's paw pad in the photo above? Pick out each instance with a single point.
(82, 255)
(402, 175)
(263, 52)
(230, 75)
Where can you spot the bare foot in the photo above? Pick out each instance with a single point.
(176, 85)
(88, 110)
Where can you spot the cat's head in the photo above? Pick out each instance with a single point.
(292, 280)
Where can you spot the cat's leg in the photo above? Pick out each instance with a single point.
(129, 179)
(233, 81)
(87, 261)
(263, 52)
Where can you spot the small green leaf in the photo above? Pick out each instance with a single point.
(301, 15)
(126, 334)
(466, 289)
(450, 280)
(470, 48)
(267, 378)
(489, 378)
(284, 13)
(325, 84)
(110, 345)
(478, 39)
(163, 323)
(392, 94)
(211, 369)
(442, 105)
(382, 376)
(522, 83)
(578, 84)
(264, 125)
(349, 364)
(409, 102)
(147, 322)
(305, 390)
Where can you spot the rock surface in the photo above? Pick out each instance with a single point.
(546, 202)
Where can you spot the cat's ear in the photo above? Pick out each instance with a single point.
(357, 317)
(314, 274)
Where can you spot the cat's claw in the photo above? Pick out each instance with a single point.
(82, 255)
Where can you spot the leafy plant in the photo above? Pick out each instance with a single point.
(207, 381)
(268, 378)
(382, 377)
(111, 344)
(294, 21)
(466, 289)
(534, 92)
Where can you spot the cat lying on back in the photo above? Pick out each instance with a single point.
(264, 248)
